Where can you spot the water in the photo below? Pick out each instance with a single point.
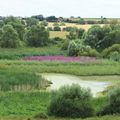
(59, 80)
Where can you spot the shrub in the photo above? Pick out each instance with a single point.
(41, 115)
(65, 45)
(71, 101)
(115, 56)
(57, 28)
(114, 48)
(88, 51)
(56, 40)
(113, 106)
(73, 48)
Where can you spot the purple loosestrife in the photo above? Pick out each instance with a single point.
(61, 58)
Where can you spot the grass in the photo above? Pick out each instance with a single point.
(23, 103)
(100, 68)
(24, 52)
(21, 81)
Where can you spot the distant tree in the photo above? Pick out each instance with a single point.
(100, 38)
(39, 17)
(20, 28)
(32, 21)
(12, 19)
(57, 28)
(9, 37)
(37, 36)
(81, 21)
(44, 23)
(52, 19)
(94, 36)
(1, 23)
(76, 34)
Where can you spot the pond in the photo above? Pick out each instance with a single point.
(59, 80)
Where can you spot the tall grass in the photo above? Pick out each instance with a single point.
(100, 68)
(17, 81)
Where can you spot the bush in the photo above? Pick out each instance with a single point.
(71, 101)
(88, 51)
(57, 28)
(115, 56)
(56, 40)
(65, 45)
(108, 51)
(41, 115)
(73, 48)
(113, 106)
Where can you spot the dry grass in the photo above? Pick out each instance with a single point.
(86, 27)
(61, 34)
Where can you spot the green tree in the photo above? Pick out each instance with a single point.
(32, 21)
(37, 36)
(98, 37)
(71, 101)
(9, 37)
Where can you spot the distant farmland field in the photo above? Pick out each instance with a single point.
(61, 34)
(86, 26)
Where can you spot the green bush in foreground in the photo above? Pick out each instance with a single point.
(113, 106)
(71, 101)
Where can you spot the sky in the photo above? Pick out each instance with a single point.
(65, 8)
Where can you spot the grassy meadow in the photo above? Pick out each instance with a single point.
(23, 91)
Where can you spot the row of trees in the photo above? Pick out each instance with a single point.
(15, 32)
(93, 42)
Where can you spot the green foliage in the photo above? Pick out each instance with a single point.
(81, 21)
(76, 34)
(73, 48)
(32, 21)
(71, 101)
(44, 23)
(9, 37)
(113, 106)
(41, 115)
(114, 56)
(65, 45)
(77, 48)
(88, 51)
(100, 38)
(57, 28)
(37, 36)
(111, 50)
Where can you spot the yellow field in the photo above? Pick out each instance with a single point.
(86, 27)
(61, 34)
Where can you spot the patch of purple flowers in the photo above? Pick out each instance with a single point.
(81, 59)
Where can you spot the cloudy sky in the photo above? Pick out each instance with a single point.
(66, 8)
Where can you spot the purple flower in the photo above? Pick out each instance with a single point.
(61, 58)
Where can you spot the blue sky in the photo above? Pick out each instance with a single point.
(65, 8)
